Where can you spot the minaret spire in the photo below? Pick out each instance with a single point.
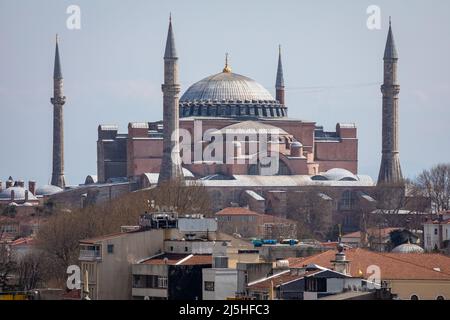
(58, 102)
(171, 162)
(171, 51)
(279, 85)
(390, 170)
(57, 74)
(391, 51)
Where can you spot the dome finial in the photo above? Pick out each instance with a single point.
(227, 68)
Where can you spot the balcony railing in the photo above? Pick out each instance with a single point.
(90, 255)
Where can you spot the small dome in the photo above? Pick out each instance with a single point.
(19, 194)
(336, 174)
(27, 204)
(408, 248)
(296, 144)
(47, 190)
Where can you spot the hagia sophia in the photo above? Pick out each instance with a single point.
(146, 155)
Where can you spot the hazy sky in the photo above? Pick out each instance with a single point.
(113, 70)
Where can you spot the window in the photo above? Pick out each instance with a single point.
(440, 298)
(110, 248)
(414, 297)
(347, 201)
(316, 284)
(149, 281)
(435, 231)
(171, 248)
(209, 285)
(162, 282)
(186, 249)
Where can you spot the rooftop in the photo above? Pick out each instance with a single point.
(384, 232)
(179, 259)
(393, 266)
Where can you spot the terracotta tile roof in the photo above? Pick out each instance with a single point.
(393, 266)
(198, 259)
(447, 221)
(429, 261)
(277, 280)
(179, 259)
(332, 245)
(23, 241)
(237, 211)
(372, 232)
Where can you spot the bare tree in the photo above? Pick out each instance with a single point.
(312, 210)
(435, 185)
(7, 265)
(30, 271)
(60, 236)
(190, 198)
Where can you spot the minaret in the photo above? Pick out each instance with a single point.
(171, 161)
(58, 102)
(390, 170)
(279, 86)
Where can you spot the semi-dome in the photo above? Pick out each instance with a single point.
(408, 248)
(47, 190)
(228, 94)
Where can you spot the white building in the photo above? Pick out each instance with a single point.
(437, 232)
(219, 284)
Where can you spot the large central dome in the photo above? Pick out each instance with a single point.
(228, 94)
(226, 86)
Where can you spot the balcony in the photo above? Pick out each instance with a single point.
(89, 254)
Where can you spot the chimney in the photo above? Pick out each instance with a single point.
(12, 195)
(26, 195)
(340, 263)
(32, 187)
(21, 183)
(1, 185)
(9, 183)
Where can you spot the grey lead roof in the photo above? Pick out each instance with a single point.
(171, 52)
(390, 53)
(228, 87)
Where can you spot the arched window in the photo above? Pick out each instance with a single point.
(440, 298)
(347, 201)
(414, 297)
(283, 169)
